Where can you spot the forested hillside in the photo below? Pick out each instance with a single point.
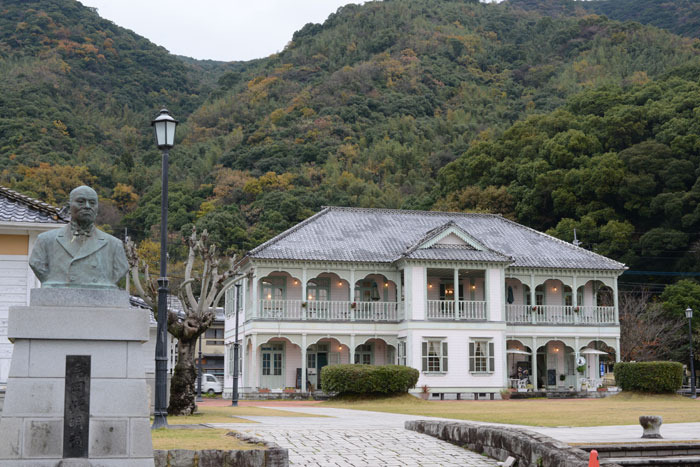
(681, 17)
(405, 104)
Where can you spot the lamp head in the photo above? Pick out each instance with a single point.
(689, 313)
(164, 125)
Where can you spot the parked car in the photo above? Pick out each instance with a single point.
(211, 384)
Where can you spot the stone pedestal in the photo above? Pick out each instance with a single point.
(76, 322)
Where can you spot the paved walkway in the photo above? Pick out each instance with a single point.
(352, 438)
(343, 437)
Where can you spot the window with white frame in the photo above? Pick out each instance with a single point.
(402, 352)
(481, 356)
(364, 354)
(434, 355)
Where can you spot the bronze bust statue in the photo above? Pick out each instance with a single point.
(78, 255)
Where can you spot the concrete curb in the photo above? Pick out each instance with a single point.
(527, 447)
(273, 456)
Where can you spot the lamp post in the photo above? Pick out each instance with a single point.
(199, 372)
(164, 125)
(234, 396)
(689, 315)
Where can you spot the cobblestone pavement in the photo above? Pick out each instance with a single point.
(351, 438)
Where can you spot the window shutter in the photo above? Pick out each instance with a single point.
(424, 347)
(471, 356)
(444, 356)
(491, 357)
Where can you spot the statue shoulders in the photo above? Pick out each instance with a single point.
(52, 234)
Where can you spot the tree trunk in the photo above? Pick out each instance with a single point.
(182, 385)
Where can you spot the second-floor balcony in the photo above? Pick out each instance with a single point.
(317, 310)
(560, 314)
(461, 310)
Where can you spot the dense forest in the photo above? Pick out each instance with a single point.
(555, 117)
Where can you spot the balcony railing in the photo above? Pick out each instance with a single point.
(559, 314)
(296, 310)
(467, 310)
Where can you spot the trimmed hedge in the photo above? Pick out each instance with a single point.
(657, 377)
(368, 379)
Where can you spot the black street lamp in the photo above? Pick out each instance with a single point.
(164, 125)
(689, 315)
(234, 396)
(199, 372)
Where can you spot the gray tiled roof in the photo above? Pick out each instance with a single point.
(16, 207)
(385, 235)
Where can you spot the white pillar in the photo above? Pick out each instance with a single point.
(303, 363)
(615, 304)
(455, 294)
(534, 363)
(241, 350)
(533, 297)
(351, 357)
(254, 303)
(618, 350)
(254, 376)
(576, 355)
(304, 298)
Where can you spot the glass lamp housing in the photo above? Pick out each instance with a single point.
(164, 125)
(689, 313)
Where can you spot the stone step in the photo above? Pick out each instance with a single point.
(681, 461)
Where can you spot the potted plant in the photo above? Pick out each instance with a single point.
(581, 368)
(353, 305)
(290, 390)
(424, 392)
(264, 390)
(602, 389)
(577, 309)
(303, 304)
(505, 394)
(534, 308)
(562, 377)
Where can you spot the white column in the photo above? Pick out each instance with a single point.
(304, 298)
(534, 363)
(576, 355)
(241, 350)
(418, 291)
(303, 363)
(615, 304)
(399, 288)
(254, 375)
(254, 296)
(351, 357)
(504, 358)
(533, 297)
(618, 350)
(455, 285)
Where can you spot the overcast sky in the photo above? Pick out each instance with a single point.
(224, 30)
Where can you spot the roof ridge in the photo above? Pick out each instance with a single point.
(569, 245)
(288, 232)
(414, 211)
(33, 203)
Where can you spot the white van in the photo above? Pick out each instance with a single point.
(211, 384)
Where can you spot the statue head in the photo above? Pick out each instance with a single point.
(83, 205)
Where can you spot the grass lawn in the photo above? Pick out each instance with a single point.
(164, 438)
(230, 415)
(620, 409)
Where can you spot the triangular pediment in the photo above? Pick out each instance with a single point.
(449, 235)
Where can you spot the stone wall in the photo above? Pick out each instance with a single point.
(271, 456)
(527, 447)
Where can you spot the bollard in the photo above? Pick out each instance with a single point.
(593, 459)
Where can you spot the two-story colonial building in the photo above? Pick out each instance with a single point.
(476, 302)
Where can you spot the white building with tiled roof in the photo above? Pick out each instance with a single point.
(21, 219)
(476, 302)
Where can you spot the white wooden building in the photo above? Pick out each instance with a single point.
(21, 219)
(476, 302)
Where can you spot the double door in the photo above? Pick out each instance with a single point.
(272, 375)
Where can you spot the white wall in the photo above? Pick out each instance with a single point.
(458, 374)
(495, 294)
(417, 291)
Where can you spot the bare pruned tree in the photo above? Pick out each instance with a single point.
(199, 294)
(646, 331)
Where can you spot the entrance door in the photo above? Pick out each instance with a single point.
(272, 375)
(321, 361)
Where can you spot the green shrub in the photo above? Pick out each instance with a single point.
(655, 377)
(368, 379)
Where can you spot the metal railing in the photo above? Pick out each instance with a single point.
(296, 310)
(559, 314)
(466, 310)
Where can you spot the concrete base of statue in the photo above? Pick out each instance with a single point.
(76, 392)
